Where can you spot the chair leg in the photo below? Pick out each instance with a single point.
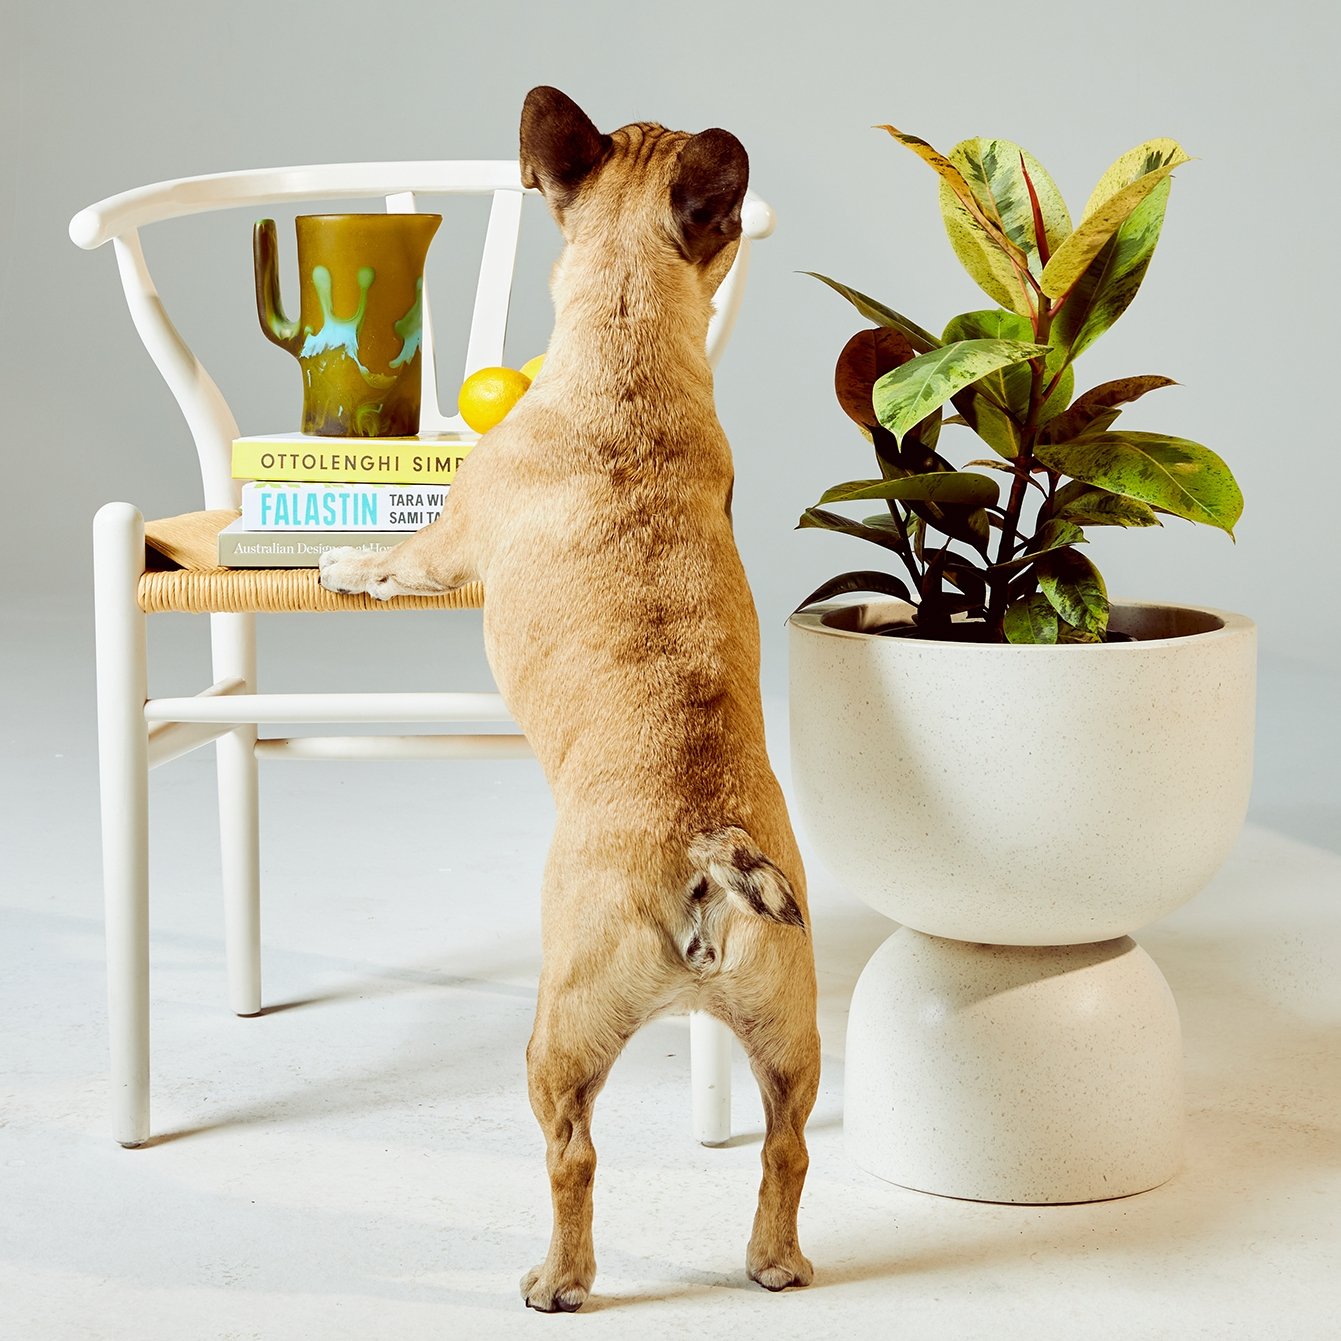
(123, 771)
(233, 641)
(710, 1078)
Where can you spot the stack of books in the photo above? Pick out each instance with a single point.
(305, 494)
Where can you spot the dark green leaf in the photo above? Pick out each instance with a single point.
(1175, 474)
(1051, 535)
(952, 486)
(1005, 469)
(819, 519)
(884, 584)
(968, 577)
(958, 521)
(920, 339)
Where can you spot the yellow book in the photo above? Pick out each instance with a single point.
(426, 458)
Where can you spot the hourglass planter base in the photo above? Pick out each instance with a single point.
(1014, 1073)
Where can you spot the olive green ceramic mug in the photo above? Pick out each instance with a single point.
(358, 329)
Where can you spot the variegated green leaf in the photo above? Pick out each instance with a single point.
(1087, 506)
(920, 339)
(1000, 175)
(951, 176)
(1105, 290)
(910, 393)
(948, 486)
(1009, 387)
(988, 266)
(1126, 184)
(1098, 403)
(1180, 476)
(1075, 590)
(1132, 166)
(1031, 620)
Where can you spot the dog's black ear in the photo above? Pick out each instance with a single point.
(559, 145)
(708, 191)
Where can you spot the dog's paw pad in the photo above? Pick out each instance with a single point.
(550, 1296)
(791, 1269)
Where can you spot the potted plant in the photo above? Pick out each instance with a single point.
(1018, 770)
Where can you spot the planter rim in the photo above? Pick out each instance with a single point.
(814, 619)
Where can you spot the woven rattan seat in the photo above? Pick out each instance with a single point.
(183, 576)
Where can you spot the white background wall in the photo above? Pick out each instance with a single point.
(1238, 304)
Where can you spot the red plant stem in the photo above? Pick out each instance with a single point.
(1024, 464)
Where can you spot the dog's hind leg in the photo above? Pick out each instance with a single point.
(783, 1047)
(583, 1019)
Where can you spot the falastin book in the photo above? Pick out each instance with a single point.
(426, 458)
(273, 505)
(241, 548)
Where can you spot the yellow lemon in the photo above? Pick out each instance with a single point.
(487, 396)
(532, 366)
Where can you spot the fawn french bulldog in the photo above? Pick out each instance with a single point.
(623, 637)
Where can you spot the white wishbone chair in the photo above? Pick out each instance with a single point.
(136, 733)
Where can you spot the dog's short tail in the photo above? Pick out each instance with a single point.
(731, 861)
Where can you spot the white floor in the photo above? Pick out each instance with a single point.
(361, 1161)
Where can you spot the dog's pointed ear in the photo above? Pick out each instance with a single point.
(708, 191)
(560, 147)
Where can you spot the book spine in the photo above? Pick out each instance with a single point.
(383, 464)
(277, 506)
(294, 549)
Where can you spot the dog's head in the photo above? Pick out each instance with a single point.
(641, 181)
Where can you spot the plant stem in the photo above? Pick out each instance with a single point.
(1024, 464)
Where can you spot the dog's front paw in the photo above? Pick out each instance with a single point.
(777, 1272)
(349, 571)
(548, 1293)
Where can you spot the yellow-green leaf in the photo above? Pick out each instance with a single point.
(1089, 506)
(1175, 474)
(1030, 620)
(1131, 166)
(1114, 199)
(1105, 290)
(908, 394)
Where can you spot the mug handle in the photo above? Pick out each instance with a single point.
(269, 308)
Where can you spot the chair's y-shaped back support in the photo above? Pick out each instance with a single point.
(213, 426)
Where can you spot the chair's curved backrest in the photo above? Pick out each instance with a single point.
(119, 218)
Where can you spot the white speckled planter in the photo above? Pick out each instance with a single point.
(1020, 810)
